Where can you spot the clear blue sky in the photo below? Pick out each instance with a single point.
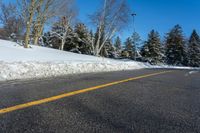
(160, 15)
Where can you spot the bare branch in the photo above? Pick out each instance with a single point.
(111, 18)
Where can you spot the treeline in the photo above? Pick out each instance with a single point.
(175, 49)
(26, 21)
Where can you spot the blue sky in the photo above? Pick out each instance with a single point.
(160, 15)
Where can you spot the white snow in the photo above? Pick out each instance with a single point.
(164, 66)
(17, 62)
(193, 72)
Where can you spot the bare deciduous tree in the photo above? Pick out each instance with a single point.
(37, 12)
(10, 19)
(28, 9)
(113, 16)
(48, 9)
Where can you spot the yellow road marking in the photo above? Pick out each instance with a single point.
(54, 98)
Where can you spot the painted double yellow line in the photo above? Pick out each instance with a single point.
(54, 98)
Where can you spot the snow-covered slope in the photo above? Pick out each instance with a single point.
(37, 62)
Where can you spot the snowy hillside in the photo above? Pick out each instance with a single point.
(37, 62)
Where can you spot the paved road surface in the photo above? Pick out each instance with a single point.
(164, 103)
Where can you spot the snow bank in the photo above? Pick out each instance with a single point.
(174, 67)
(37, 62)
(17, 62)
(24, 70)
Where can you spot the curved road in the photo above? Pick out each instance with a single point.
(140, 101)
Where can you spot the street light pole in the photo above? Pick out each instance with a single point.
(133, 15)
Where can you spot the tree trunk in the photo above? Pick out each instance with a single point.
(36, 38)
(62, 44)
(100, 30)
(38, 34)
(28, 25)
(40, 21)
(27, 37)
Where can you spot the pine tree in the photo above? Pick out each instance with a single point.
(152, 51)
(61, 32)
(82, 36)
(108, 50)
(194, 50)
(118, 46)
(136, 42)
(175, 47)
(129, 48)
(91, 41)
(118, 43)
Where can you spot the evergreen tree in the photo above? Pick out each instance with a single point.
(152, 51)
(136, 42)
(194, 50)
(129, 48)
(118, 46)
(108, 50)
(175, 47)
(118, 43)
(91, 41)
(82, 36)
(91, 36)
(61, 34)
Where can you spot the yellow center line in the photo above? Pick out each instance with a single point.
(54, 98)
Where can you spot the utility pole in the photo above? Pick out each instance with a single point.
(133, 15)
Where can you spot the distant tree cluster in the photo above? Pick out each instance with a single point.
(175, 50)
(26, 21)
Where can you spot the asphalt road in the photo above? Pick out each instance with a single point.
(164, 103)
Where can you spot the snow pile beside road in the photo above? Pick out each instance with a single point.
(174, 67)
(24, 70)
(37, 62)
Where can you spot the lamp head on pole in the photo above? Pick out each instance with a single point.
(133, 14)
